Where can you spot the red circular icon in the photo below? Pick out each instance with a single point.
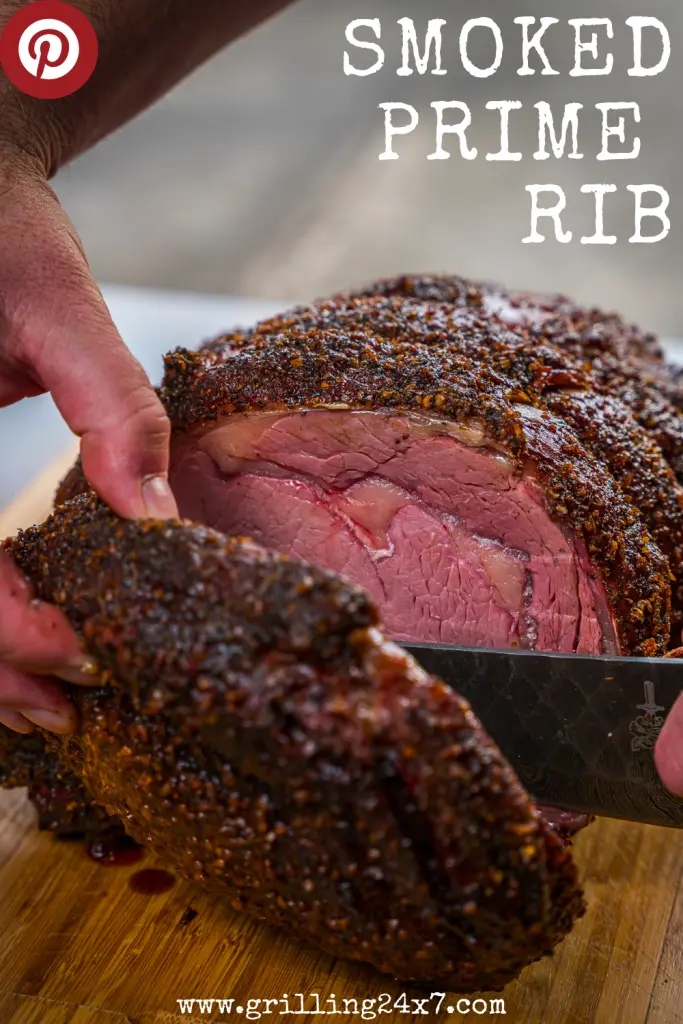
(48, 49)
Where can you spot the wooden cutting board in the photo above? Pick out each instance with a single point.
(79, 945)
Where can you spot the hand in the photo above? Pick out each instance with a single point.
(669, 750)
(55, 331)
(56, 335)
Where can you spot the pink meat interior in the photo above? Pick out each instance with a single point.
(452, 542)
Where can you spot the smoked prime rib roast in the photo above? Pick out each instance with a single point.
(424, 460)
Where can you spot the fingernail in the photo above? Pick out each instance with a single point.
(81, 671)
(158, 498)
(16, 722)
(61, 722)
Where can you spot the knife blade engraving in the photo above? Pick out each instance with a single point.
(565, 723)
(646, 727)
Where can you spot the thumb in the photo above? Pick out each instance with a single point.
(64, 338)
(106, 398)
(669, 750)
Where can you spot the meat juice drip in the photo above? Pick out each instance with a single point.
(114, 849)
(117, 849)
(566, 823)
(151, 881)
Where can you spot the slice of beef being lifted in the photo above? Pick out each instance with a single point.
(258, 731)
(444, 476)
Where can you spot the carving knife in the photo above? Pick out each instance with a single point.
(579, 731)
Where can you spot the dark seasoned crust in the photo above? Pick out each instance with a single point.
(537, 372)
(258, 731)
(586, 333)
(626, 361)
(607, 427)
(673, 386)
(622, 360)
(457, 375)
(649, 404)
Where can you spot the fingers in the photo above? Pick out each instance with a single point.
(69, 345)
(15, 721)
(107, 400)
(14, 387)
(36, 643)
(34, 635)
(669, 750)
(27, 700)
(56, 335)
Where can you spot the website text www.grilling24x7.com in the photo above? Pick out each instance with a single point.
(315, 1005)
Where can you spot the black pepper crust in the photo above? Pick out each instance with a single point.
(649, 404)
(625, 361)
(282, 752)
(586, 333)
(464, 369)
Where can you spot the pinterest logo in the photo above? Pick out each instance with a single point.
(48, 49)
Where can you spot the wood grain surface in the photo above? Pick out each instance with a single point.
(79, 946)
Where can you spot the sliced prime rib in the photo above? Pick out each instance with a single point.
(424, 438)
(486, 372)
(537, 370)
(258, 731)
(472, 480)
(492, 469)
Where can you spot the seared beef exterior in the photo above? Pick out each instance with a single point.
(585, 333)
(491, 372)
(548, 369)
(474, 481)
(259, 732)
(492, 468)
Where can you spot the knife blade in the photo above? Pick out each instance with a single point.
(579, 731)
